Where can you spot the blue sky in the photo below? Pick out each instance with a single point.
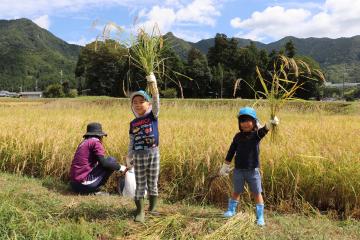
(81, 21)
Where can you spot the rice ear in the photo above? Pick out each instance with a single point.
(294, 67)
(236, 86)
(320, 75)
(305, 65)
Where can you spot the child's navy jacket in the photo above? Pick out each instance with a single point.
(245, 146)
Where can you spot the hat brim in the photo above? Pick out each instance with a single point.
(139, 93)
(246, 116)
(99, 134)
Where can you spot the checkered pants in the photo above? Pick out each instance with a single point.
(147, 168)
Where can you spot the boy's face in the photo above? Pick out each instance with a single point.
(246, 124)
(139, 105)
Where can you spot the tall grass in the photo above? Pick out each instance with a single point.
(316, 166)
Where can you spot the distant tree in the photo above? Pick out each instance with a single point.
(103, 65)
(54, 91)
(72, 93)
(66, 87)
(218, 80)
(290, 49)
(249, 58)
(216, 53)
(174, 72)
(198, 70)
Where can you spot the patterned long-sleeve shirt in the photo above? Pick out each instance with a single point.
(143, 131)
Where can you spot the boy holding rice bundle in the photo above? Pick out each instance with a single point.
(245, 147)
(143, 147)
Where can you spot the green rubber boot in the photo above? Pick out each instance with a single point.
(140, 213)
(153, 204)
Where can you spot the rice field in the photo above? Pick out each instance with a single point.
(314, 165)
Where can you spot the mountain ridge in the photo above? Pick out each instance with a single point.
(32, 57)
(339, 58)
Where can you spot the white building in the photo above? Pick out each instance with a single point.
(31, 94)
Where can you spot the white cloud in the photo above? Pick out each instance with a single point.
(29, 8)
(42, 21)
(199, 11)
(335, 19)
(163, 17)
(173, 3)
(194, 14)
(235, 22)
(168, 14)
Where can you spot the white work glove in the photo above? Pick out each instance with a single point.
(129, 162)
(272, 122)
(122, 168)
(224, 170)
(151, 78)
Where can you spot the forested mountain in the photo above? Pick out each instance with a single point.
(33, 57)
(339, 58)
(30, 56)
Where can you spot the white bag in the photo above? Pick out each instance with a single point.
(127, 184)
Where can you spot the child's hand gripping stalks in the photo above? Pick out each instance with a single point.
(152, 84)
(272, 123)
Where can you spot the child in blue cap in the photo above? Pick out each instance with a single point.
(143, 147)
(245, 147)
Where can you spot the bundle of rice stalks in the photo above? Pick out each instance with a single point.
(283, 84)
(167, 227)
(146, 52)
(241, 226)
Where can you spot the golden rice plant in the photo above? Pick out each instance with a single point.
(145, 52)
(316, 165)
(241, 226)
(282, 84)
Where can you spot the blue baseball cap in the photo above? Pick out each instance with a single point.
(248, 111)
(140, 93)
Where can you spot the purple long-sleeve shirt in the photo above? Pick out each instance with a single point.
(85, 159)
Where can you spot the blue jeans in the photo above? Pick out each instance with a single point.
(99, 173)
(250, 176)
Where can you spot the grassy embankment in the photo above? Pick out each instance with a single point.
(44, 209)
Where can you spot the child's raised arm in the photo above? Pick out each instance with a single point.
(151, 81)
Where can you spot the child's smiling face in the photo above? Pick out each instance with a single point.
(246, 124)
(140, 105)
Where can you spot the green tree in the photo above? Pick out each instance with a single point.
(249, 58)
(103, 65)
(216, 53)
(199, 71)
(218, 80)
(290, 49)
(54, 91)
(174, 76)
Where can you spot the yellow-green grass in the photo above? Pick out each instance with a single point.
(44, 209)
(314, 164)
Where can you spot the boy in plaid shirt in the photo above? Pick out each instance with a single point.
(143, 147)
